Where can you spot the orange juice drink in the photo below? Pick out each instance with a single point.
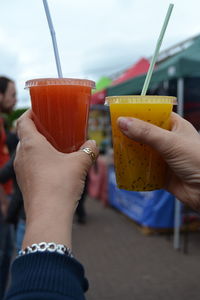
(60, 110)
(138, 167)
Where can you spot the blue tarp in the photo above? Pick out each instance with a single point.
(154, 209)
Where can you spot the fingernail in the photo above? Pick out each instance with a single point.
(93, 142)
(124, 122)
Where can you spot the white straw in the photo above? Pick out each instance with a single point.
(158, 45)
(53, 36)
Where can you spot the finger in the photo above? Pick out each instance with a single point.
(89, 151)
(26, 127)
(144, 132)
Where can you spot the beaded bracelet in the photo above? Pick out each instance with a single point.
(46, 247)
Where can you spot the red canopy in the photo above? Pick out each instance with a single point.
(137, 69)
(99, 97)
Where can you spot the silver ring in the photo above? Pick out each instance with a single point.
(90, 153)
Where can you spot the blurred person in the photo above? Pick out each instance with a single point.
(15, 211)
(43, 271)
(7, 103)
(11, 139)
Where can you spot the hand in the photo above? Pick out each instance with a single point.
(51, 183)
(179, 147)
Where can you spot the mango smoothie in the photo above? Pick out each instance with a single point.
(138, 167)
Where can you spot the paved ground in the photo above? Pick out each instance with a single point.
(121, 263)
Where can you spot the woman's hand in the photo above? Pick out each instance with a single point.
(179, 147)
(51, 183)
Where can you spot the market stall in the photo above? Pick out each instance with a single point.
(177, 74)
(150, 209)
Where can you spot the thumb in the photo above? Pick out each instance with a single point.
(160, 139)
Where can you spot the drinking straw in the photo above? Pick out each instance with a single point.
(53, 36)
(154, 58)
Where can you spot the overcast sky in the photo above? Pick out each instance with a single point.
(95, 37)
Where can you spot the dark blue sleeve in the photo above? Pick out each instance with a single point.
(46, 276)
(7, 171)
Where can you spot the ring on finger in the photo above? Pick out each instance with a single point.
(88, 151)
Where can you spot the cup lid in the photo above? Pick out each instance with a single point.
(137, 99)
(59, 81)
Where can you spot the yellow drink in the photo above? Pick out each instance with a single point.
(139, 167)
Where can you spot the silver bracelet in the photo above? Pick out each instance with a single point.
(46, 247)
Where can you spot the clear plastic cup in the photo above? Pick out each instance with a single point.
(60, 110)
(138, 167)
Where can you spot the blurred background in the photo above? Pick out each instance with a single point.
(112, 42)
(95, 38)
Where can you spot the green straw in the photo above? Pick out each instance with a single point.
(154, 58)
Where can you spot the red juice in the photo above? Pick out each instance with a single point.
(61, 108)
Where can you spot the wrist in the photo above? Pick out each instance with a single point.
(49, 206)
(48, 227)
(46, 247)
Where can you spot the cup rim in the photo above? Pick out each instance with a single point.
(59, 81)
(139, 99)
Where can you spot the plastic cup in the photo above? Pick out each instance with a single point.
(60, 110)
(138, 167)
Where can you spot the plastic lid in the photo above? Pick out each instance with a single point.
(141, 100)
(59, 81)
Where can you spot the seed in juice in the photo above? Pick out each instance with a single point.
(131, 161)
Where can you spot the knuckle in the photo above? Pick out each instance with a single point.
(27, 144)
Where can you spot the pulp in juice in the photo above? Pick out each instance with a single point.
(138, 166)
(61, 114)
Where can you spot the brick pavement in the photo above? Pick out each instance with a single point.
(121, 263)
